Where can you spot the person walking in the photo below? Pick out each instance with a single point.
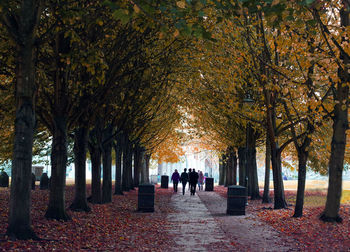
(189, 183)
(175, 178)
(193, 181)
(184, 180)
(200, 180)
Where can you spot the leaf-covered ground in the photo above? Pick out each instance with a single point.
(111, 227)
(310, 233)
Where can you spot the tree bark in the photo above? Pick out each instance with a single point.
(253, 183)
(80, 148)
(95, 155)
(229, 176)
(137, 165)
(147, 159)
(225, 168)
(107, 165)
(125, 180)
(242, 166)
(56, 209)
(118, 165)
(130, 167)
(279, 197)
(144, 167)
(299, 204)
(19, 221)
(266, 196)
(340, 126)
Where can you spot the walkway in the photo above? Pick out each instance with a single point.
(193, 226)
(201, 224)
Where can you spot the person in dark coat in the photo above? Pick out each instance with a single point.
(175, 178)
(184, 180)
(189, 183)
(193, 181)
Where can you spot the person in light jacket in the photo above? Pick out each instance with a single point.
(200, 180)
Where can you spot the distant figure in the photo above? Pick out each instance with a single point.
(175, 178)
(193, 181)
(200, 180)
(184, 180)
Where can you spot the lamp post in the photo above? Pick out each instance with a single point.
(248, 102)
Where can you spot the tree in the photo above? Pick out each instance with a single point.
(21, 20)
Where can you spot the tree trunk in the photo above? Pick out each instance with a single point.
(229, 169)
(253, 183)
(340, 125)
(137, 165)
(125, 180)
(56, 209)
(130, 167)
(147, 159)
(221, 172)
(144, 167)
(80, 148)
(266, 197)
(242, 166)
(107, 165)
(118, 165)
(95, 155)
(279, 198)
(19, 221)
(299, 204)
(225, 167)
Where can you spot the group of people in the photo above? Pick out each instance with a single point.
(192, 177)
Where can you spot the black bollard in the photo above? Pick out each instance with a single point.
(164, 181)
(236, 200)
(33, 181)
(4, 179)
(209, 184)
(44, 181)
(146, 198)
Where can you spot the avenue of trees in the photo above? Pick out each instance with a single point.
(124, 78)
